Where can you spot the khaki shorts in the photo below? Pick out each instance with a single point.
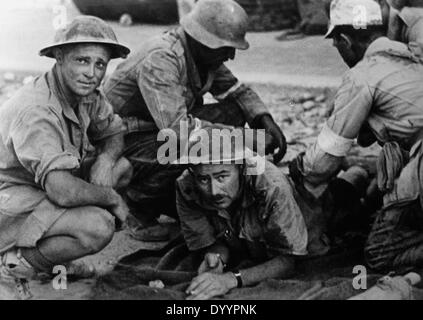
(25, 216)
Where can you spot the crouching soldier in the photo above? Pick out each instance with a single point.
(380, 100)
(56, 203)
(162, 87)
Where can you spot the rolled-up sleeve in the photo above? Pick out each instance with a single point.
(196, 228)
(352, 107)
(39, 143)
(227, 86)
(104, 122)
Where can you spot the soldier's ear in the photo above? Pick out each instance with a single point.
(191, 169)
(345, 40)
(58, 55)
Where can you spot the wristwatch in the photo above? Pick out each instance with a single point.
(238, 277)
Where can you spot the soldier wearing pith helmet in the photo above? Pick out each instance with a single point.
(60, 161)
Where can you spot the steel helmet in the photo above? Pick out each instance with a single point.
(217, 23)
(87, 29)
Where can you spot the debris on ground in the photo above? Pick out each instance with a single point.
(300, 112)
(157, 284)
(9, 77)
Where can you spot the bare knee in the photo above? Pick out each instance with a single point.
(97, 229)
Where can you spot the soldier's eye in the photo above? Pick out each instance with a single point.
(203, 180)
(101, 65)
(82, 60)
(221, 178)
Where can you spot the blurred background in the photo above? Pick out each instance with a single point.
(285, 35)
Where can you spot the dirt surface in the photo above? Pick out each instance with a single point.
(300, 112)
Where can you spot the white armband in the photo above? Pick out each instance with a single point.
(332, 143)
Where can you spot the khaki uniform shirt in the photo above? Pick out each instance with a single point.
(268, 219)
(40, 131)
(160, 84)
(381, 95)
(413, 19)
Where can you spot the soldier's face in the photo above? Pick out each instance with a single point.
(83, 67)
(344, 45)
(218, 184)
(214, 58)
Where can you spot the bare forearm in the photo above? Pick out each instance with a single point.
(320, 166)
(112, 147)
(279, 267)
(69, 191)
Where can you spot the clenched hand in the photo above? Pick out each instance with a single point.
(120, 211)
(102, 171)
(277, 141)
(211, 263)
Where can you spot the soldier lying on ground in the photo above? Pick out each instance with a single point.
(56, 203)
(230, 213)
(380, 100)
(163, 84)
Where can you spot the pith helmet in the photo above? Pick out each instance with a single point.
(355, 13)
(203, 148)
(217, 23)
(87, 29)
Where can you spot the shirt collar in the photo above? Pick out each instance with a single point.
(410, 16)
(383, 44)
(69, 103)
(247, 200)
(193, 73)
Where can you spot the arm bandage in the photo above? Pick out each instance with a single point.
(332, 143)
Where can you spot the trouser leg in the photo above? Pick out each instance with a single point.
(79, 232)
(346, 191)
(396, 240)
